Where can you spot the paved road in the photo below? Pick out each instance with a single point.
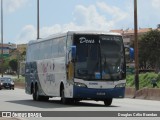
(17, 100)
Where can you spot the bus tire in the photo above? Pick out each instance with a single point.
(34, 93)
(76, 101)
(108, 102)
(44, 98)
(63, 99)
(36, 96)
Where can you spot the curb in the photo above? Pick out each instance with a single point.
(145, 93)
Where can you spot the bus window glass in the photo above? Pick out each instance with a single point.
(111, 57)
(61, 46)
(55, 48)
(87, 61)
(99, 58)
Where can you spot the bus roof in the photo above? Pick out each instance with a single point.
(93, 32)
(72, 33)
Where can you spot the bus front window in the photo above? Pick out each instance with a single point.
(101, 60)
(87, 61)
(112, 59)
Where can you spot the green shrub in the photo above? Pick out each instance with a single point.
(21, 79)
(145, 80)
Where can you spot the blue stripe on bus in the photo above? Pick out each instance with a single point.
(90, 93)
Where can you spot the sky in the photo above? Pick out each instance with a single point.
(58, 16)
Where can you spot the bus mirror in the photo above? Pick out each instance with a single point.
(73, 49)
(131, 53)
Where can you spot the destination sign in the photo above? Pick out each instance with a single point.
(111, 37)
(86, 39)
(95, 39)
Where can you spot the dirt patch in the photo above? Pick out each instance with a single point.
(19, 85)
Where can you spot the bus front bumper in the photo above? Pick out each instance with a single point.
(98, 94)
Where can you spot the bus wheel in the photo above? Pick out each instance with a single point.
(108, 102)
(44, 98)
(36, 96)
(76, 101)
(63, 99)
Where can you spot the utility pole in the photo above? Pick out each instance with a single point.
(37, 19)
(2, 38)
(136, 47)
(18, 61)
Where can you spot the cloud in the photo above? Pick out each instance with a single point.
(113, 11)
(90, 18)
(13, 5)
(84, 18)
(156, 4)
(28, 33)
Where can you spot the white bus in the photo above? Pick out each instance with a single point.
(77, 65)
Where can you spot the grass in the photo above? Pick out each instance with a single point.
(145, 80)
(21, 79)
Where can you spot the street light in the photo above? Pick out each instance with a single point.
(136, 47)
(37, 19)
(18, 61)
(2, 38)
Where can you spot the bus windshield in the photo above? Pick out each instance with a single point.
(99, 58)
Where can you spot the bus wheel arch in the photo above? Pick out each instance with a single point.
(64, 100)
(61, 88)
(36, 96)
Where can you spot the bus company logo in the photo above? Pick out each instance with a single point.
(85, 40)
(44, 69)
(50, 78)
(53, 66)
(93, 83)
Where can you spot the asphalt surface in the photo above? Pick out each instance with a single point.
(17, 100)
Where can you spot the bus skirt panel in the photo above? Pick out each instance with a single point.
(98, 94)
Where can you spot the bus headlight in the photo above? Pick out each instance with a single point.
(120, 85)
(80, 84)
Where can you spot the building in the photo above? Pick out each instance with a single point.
(128, 34)
(12, 50)
(6, 49)
(21, 48)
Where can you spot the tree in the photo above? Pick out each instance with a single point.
(158, 26)
(13, 64)
(6, 64)
(149, 50)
